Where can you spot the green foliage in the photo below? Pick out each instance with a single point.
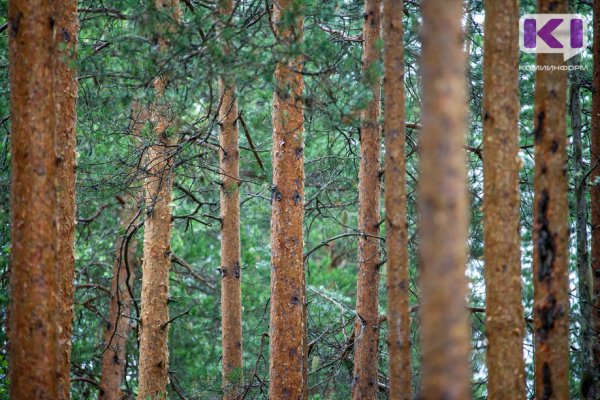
(120, 58)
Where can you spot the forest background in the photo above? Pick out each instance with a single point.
(119, 58)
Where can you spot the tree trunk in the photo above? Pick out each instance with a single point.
(154, 329)
(400, 373)
(504, 310)
(66, 29)
(118, 326)
(583, 268)
(595, 201)
(366, 326)
(154, 325)
(34, 266)
(550, 233)
(231, 294)
(443, 205)
(288, 292)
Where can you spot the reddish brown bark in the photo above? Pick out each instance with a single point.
(288, 295)
(154, 325)
(118, 324)
(154, 351)
(34, 268)
(400, 375)
(595, 200)
(443, 205)
(231, 293)
(550, 233)
(66, 29)
(366, 326)
(504, 309)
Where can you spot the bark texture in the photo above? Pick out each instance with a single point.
(154, 329)
(231, 293)
(400, 373)
(366, 326)
(154, 324)
(443, 205)
(550, 233)
(504, 310)
(118, 324)
(66, 28)
(595, 201)
(288, 369)
(34, 268)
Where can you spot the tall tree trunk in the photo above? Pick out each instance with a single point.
(154, 329)
(154, 325)
(366, 326)
(400, 375)
(501, 218)
(583, 267)
(288, 292)
(595, 201)
(443, 204)
(34, 266)
(550, 233)
(231, 293)
(66, 28)
(118, 326)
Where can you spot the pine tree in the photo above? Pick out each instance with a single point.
(288, 369)
(123, 278)
(400, 375)
(443, 205)
(366, 327)
(119, 322)
(595, 202)
(550, 228)
(504, 309)
(231, 295)
(33, 326)
(154, 325)
(581, 219)
(66, 29)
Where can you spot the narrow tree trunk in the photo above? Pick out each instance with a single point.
(66, 29)
(583, 267)
(288, 293)
(34, 266)
(443, 205)
(154, 329)
(595, 201)
(550, 233)
(231, 294)
(504, 309)
(154, 325)
(366, 326)
(118, 326)
(400, 373)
